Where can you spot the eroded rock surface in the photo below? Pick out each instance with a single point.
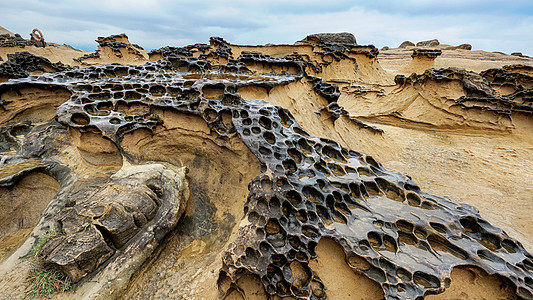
(22, 64)
(310, 193)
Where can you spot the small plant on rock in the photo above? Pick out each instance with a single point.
(42, 283)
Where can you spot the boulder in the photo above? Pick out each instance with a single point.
(345, 38)
(465, 47)
(406, 44)
(430, 43)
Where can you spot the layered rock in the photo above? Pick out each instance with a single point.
(142, 201)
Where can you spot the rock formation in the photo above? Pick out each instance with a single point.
(423, 59)
(429, 43)
(284, 188)
(406, 44)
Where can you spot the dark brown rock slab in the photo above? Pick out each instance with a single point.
(345, 38)
(141, 202)
(427, 53)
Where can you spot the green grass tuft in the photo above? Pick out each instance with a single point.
(42, 240)
(44, 283)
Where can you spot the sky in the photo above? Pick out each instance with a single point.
(505, 26)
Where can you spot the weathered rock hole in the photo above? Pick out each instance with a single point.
(213, 92)
(441, 245)
(426, 280)
(333, 153)
(313, 194)
(132, 95)
(80, 119)
(375, 240)
(269, 137)
(372, 188)
(406, 238)
(210, 115)
(413, 199)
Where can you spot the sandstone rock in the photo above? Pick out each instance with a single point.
(517, 54)
(462, 46)
(294, 190)
(8, 39)
(406, 44)
(423, 59)
(429, 43)
(111, 48)
(77, 254)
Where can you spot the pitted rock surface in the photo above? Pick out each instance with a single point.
(21, 64)
(7, 40)
(309, 188)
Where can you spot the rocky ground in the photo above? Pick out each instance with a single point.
(319, 170)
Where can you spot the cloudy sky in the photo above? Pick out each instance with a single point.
(505, 26)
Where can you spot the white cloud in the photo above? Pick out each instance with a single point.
(488, 25)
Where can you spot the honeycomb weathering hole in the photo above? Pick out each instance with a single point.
(80, 119)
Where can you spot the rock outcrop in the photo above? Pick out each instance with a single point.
(113, 48)
(278, 185)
